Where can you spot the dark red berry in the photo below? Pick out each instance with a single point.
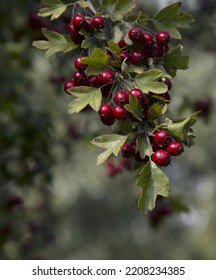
(112, 168)
(140, 96)
(79, 64)
(162, 38)
(69, 84)
(124, 55)
(93, 81)
(135, 34)
(162, 49)
(147, 39)
(106, 114)
(121, 97)
(98, 22)
(138, 158)
(80, 78)
(89, 24)
(167, 81)
(71, 28)
(136, 57)
(162, 137)
(150, 51)
(78, 21)
(166, 96)
(77, 38)
(128, 150)
(107, 76)
(105, 90)
(108, 121)
(121, 43)
(119, 112)
(161, 157)
(175, 148)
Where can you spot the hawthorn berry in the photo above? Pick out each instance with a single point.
(162, 38)
(80, 66)
(80, 78)
(121, 43)
(98, 22)
(121, 97)
(162, 137)
(147, 39)
(140, 96)
(93, 81)
(79, 21)
(162, 49)
(161, 157)
(77, 38)
(135, 34)
(106, 114)
(125, 55)
(71, 29)
(89, 24)
(105, 90)
(120, 113)
(128, 150)
(136, 57)
(69, 84)
(167, 81)
(175, 148)
(107, 76)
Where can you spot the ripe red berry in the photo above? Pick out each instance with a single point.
(119, 112)
(98, 22)
(135, 34)
(162, 137)
(69, 84)
(105, 90)
(124, 54)
(161, 157)
(93, 81)
(77, 38)
(71, 29)
(107, 76)
(140, 96)
(121, 43)
(121, 97)
(162, 49)
(175, 148)
(136, 57)
(78, 21)
(162, 38)
(106, 114)
(89, 24)
(147, 39)
(80, 78)
(79, 64)
(128, 150)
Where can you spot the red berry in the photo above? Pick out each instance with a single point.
(162, 49)
(167, 81)
(162, 38)
(79, 64)
(135, 34)
(119, 112)
(108, 121)
(139, 159)
(121, 97)
(89, 24)
(98, 22)
(80, 78)
(69, 84)
(140, 96)
(77, 38)
(162, 137)
(147, 39)
(93, 81)
(121, 43)
(161, 157)
(107, 76)
(106, 114)
(71, 28)
(136, 57)
(128, 150)
(124, 54)
(78, 21)
(175, 148)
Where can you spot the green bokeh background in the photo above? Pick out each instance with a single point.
(54, 202)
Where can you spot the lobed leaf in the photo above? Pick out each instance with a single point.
(55, 9)
(134, 107)
(56, 43)
(153, 182)
(111, 142)
(84, 96)
(147, 81)
(121, 9)
(144, 147)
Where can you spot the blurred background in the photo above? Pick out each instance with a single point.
(54, 202)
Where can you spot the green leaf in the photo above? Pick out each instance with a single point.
(106, 3)
(134, 107)
(55, 9)
(169, 20)
(84, 96)
(121, 9)
(114, 48)
(111, 142)
(83, 4)
(181, 131)
(146, 81)
(144, 146)
(155, 111)
(153, 182)
(99, 35)
(96, 62)
(174, 60)
(56, 43)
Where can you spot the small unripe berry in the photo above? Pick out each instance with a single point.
(161, 157)
(162, 137)
(135, 34)
(175, 148)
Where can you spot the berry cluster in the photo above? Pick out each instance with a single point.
(79, 22)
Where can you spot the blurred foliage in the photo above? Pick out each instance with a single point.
(54, 202)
